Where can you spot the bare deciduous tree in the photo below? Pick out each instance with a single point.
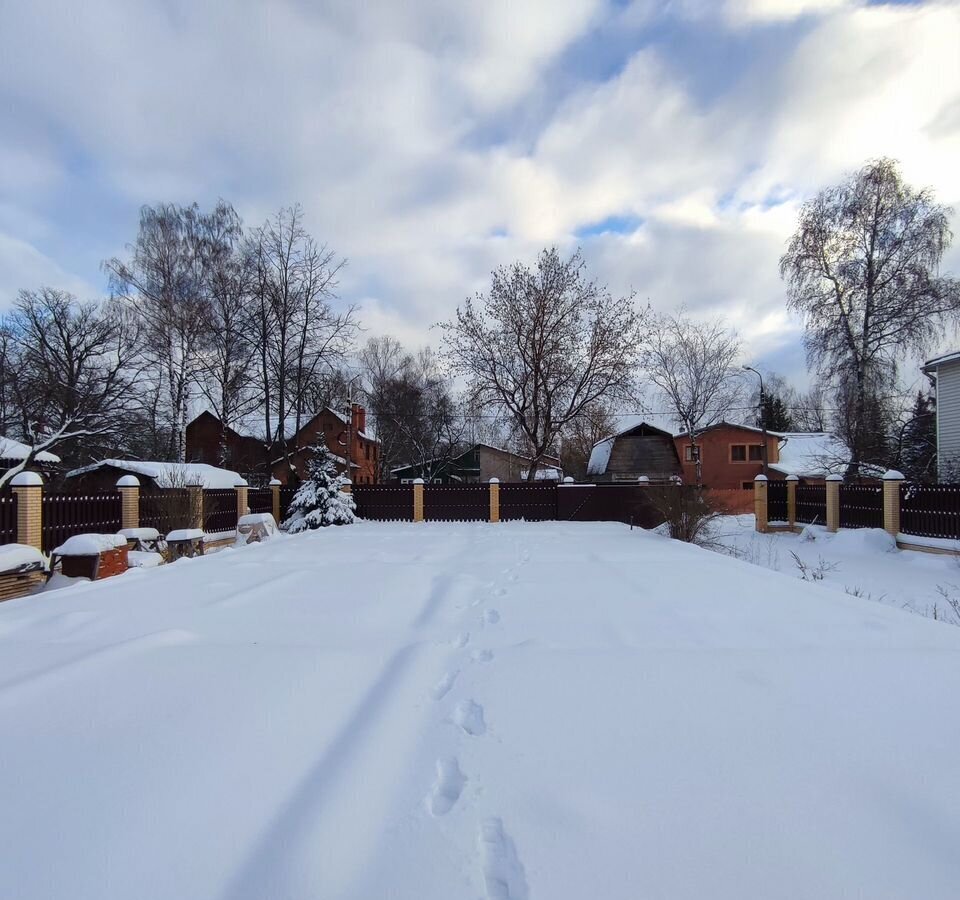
(862, 270)
(543, 344)
(693, 364)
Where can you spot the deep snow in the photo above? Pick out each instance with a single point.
(861, 561)
(441, 711)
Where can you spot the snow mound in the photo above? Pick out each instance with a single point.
(863, 540)
(17, 556)
(90, 544)
(143, 559)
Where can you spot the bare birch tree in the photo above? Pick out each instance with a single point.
(543, 344)
(862, 270)
(694, 366)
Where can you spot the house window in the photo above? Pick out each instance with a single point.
(756, 452)
(367, 450)
(691, 453)
(738, 452)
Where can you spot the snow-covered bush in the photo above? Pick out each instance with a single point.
(319, 501)
(686, 511)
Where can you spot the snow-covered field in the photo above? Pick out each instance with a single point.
(864, 562)
(542, 711)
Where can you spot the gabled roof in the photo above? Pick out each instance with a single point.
(724, 424)
(167, 474)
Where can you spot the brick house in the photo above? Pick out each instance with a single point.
(731, 456)
(210, 441)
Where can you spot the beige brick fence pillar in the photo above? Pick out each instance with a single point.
(129, 487)
(417, 499)
(642, 481)
(792, 500)
(275, 488)
(346, 487)
(28, 487)
(196, 505)
(760, 502)
(495, 499)
(833, 502)
(891, 501)
(243, 505)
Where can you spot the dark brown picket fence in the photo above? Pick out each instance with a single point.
(8, 518)
(930, 510)
(260, 500)
(777, 501)
(812, 503)
(384, 502)
(64, 515)
(219, 510)
(531, 502)
(165, 510)
(456, 503)
(861, 506)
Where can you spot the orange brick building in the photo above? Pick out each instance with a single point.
(731, 456)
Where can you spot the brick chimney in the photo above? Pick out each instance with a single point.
(358, 418)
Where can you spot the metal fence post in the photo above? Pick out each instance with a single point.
(833, 502)
(243, 507)
(129, 487)
(494, 499)
(417, 499)
(892, 479)
(760, 502)
(792, 500)
(28, 486)
(275, 488)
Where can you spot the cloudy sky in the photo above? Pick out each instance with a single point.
(429, 141)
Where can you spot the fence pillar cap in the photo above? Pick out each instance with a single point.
(418, 481)
(893, 475)
(792, 478)
(128, 481)
(496, 480)
(643, 479)
(275, 482)
(761, 477)
(26, 479)
(241, 483)
(834, 478)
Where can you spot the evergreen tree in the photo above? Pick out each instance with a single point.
(918, 449)
(319, 501)
(774, 414)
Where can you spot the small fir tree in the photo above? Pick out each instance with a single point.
(319, 501)
(918, 454)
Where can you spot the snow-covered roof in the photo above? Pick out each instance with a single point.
(725, 424)
(811, 455)
(13, 449)
(933, 364)
(600, 455)
(168, 474)
(251, 424)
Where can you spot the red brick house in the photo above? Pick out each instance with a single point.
(210, 441)
(731, 456)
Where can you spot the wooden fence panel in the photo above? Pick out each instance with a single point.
(811, 503)
(533, 502)
(384, 502)
(65, 515)
(628, 503)
(8, 518)
(861, 506)
(219, 510)
(930, 510)
(456, 502)
(286, 498)
(165, 510)
(260, 500)
(776, 501)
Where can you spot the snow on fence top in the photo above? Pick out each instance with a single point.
(169, 474)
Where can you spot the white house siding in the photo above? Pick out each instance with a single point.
(948, 421)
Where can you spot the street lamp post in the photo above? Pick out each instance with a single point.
(763, 418)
